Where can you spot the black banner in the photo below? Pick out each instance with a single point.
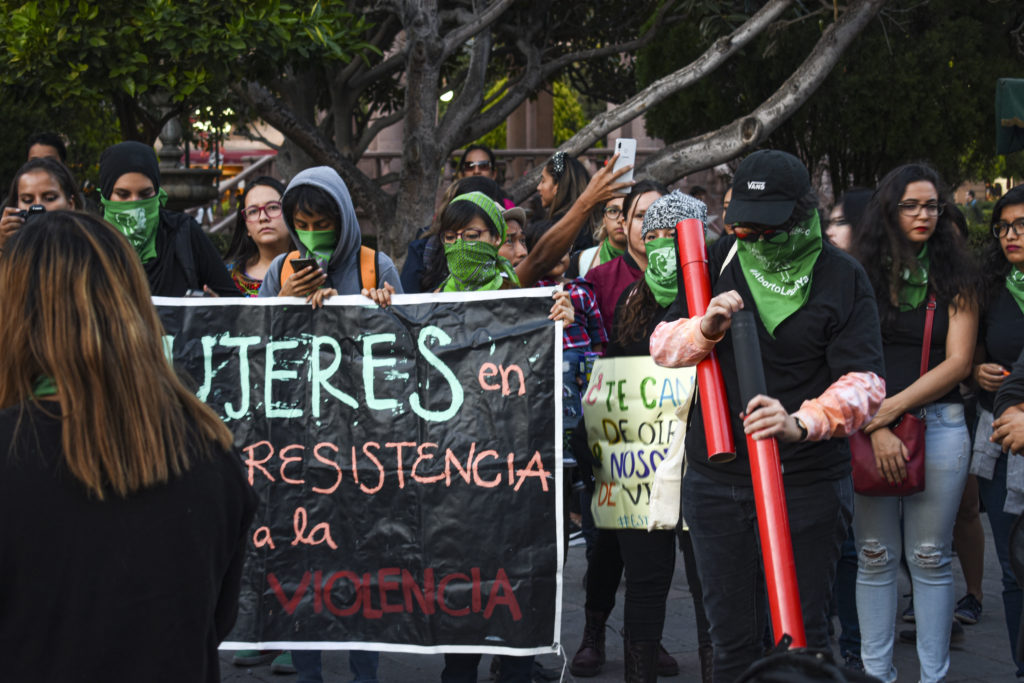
(407, 464)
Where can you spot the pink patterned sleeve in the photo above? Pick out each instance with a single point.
(680, 343)
(844, 407)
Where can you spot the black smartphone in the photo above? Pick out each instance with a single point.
(300, 263)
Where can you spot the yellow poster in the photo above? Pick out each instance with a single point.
(630, 407)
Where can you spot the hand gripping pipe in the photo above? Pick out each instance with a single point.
(714, 405)
(769, 495)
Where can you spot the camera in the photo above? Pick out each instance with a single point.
(33, 210)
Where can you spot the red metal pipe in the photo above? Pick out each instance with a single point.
(714, 405)
(776, 545)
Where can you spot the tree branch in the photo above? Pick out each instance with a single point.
(471, 94)
(457, 38)
(364, 191)
(373, 129)
(711, 59)
(743, 134)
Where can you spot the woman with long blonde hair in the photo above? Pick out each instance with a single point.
(126, 515)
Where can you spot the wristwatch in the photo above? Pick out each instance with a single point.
(800, 425)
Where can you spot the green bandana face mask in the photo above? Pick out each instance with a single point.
(1015, 283)
(914, 285)
(137, 220)
(661, 270)
(779, 275)
(320, 243)
(475, 266)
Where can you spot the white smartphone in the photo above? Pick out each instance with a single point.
(626, 149)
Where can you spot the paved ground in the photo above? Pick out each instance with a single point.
(982, 657)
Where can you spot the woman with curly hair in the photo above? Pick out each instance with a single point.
(916, 258)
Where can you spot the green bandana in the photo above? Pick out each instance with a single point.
(475, 266)
(320, 243)
(660, 274)
(137, 220)
(1015, 283)
(914, 285)
(608, 252)
(44, 386)
(779, 275)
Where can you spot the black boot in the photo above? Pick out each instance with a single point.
(590, 657)
(641, 660)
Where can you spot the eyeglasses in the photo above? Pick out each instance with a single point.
(252, 214)
(1002, 228)
(749, 232)
(470, 165)
(911, 209)
(613, 212)
(466, 235)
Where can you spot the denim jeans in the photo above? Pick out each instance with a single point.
(926, 540)
(993, 495)
(361, 663)
(723, 528)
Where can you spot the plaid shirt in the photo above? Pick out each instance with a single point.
(588, 328)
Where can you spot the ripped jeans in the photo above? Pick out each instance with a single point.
(926, 539)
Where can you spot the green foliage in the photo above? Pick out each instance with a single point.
(568, 114)
(917, 84)
(86, 133)
(147, 56)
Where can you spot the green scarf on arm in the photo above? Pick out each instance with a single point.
(779, 275)
(914, 285)
(608, 252)
(1015, 283)
(660, 273)
(137, 220)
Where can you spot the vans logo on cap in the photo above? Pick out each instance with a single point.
(755, 184)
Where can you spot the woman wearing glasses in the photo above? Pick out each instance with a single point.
(912, 251)
(260, 234)
(1000, 341)
(612, 234)
(478, 160)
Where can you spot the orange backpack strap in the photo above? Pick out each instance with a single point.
(286, 268)
(368, 267)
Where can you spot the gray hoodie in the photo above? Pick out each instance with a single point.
(343, 266)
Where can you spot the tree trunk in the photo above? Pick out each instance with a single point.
(422, 157)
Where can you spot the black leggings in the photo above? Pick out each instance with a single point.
(649, 564)
(649, 559)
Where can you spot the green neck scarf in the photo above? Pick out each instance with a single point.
(137, 220)
(44, 386)
(476, 266)
(914, 285)
(779, 275)
(1015, 283)
(320, 243)
(608, 252)
(660, 273)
